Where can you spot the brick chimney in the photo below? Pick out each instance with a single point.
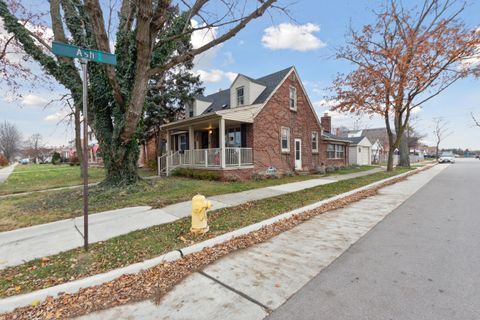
(326, 122)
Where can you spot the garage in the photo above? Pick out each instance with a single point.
(360, 151)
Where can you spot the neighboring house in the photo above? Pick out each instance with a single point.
(93, 149)
(262, 125)
(148, 152)
(378, 138)
(360, 151)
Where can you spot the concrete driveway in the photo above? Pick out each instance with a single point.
(420, 262)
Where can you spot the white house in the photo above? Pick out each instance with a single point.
(360, 151)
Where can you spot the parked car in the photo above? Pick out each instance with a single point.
(25, 161)
(447, 157)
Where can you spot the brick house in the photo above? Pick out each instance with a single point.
(256, 126)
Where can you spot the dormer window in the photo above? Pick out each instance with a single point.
(293, 98)
(190, 110)
(240, 96)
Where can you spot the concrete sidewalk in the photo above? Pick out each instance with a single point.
(6, 172)
(249, 284)
(21, 245)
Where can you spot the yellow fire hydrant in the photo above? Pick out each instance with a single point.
(200, 205)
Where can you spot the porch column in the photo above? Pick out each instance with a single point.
(191, 144)
(191, 140)
(169, 142)
(221, 133)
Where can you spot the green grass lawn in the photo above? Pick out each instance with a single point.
(38, 208)
(34, 177)
(37, 177)
(148, 243)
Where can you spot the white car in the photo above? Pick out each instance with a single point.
(446, 157)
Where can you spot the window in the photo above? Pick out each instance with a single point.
(330, 151)
(359, 149)
(190, 111)
(285, 139)
(182, 142)
(314, 141)
(240, 96)
(340, 151)
(234, 137)
(293, 98)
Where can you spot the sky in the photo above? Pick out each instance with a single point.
(307, 38)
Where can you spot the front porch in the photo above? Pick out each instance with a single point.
(207, 143)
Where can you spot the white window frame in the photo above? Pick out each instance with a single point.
(334, 151)
(238, 97)
(292, 91)
(314, 148)
(287, 130)
(337, 147)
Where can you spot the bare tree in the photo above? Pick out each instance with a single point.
(406, 58)
(477, 122)
(440, 132)
(35, 148)
(10, 140)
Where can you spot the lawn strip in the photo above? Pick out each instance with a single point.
(38, 208)
(34, 177)
(155, 282)
(144, 244)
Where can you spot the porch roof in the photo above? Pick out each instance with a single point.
(241, 114)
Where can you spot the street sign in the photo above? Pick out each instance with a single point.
(68, 50)
(85, 55)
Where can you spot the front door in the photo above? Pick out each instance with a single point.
(298, 154)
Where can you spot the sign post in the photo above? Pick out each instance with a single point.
(85, 55)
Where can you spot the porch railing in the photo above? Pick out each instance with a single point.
(205, 158)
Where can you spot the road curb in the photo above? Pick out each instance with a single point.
(10, 303)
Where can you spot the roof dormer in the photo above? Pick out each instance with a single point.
(197, 107)
(244, 91)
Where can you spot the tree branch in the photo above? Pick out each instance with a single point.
(232, 32)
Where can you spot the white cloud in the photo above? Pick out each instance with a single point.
(215, 75)
(31, 100)
(292, 36)
(55, 117)
(200, 38)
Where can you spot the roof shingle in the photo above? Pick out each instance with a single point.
(221, 100)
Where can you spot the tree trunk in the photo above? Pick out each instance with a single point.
(391, 152)
(404, 160)
(120, 163)
(436, 150)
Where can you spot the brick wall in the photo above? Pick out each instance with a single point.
(276, 114)
(332, 162)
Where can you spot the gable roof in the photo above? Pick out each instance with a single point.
(221, 100)
(355, 140)
(376, 134)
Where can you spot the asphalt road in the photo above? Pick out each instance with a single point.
(421, 262)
